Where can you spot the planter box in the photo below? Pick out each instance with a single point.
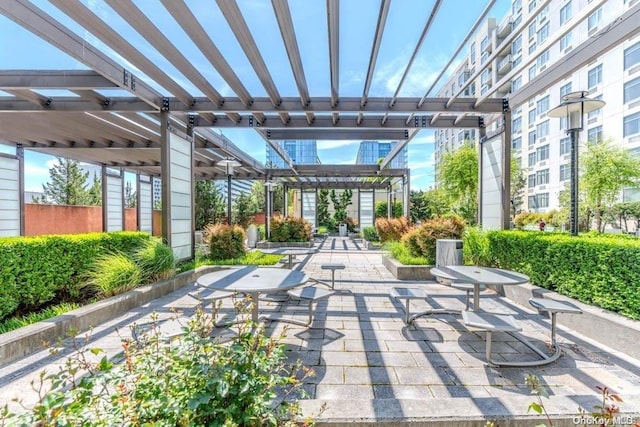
(28, 339)
(407, 272)
(270, 245)
(373, 246)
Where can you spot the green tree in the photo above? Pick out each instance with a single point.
(419, 206)
(606, 170)
(382, 212)
(518, 183)
(458, 172)
(130, 197)
(95, 191)
(209, 204)
(68, 185)
(257, 196)
(340, 204)
(323, 206)
(243, 210)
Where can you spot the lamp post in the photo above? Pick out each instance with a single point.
(229, 164)
(573, 107)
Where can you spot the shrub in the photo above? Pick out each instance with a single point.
(331, 224)
(225, 241)
(352, 224)
(290, 229)
(192, 380)
(421, 241)
(113, 274)
(370, 234)
(391, 229)
(476, 248)
(156, 261)
(595, 269)
(37, 270)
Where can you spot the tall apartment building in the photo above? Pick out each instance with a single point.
(370, 152)
(534, 35)
(301, 152)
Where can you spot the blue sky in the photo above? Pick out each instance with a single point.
(19, 49)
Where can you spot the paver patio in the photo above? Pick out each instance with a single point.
(370, 367)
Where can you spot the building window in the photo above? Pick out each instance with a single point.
(472, 53)
(531, 180)
(542, 59)
(632, 90)
(516, 143)
(595, 76)
(516, 84)
(565, 41)
(542, 129)
(542, 153)
(565, 89)
(565, 172)
(543, 33)
(565, 13)
(516, 45)
(565, 145)
(543, 200)
(532, 138)
(532, 116)
(594, 20)
(564, 123)
(533, 203)
(632, 56)
(532, 30)
(516, 7)
(542, 177)
(632, 124)
(484, 44)
(516, 125)
(532, 5)
(542, 106)
(517, 21)
(532, 159)
(532, 47)
(593, 115)
(532, 72)
(594, 135)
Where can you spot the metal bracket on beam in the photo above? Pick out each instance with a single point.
(125, 77)
(47, 102)
(420, 121)
(505, 105)
(250, 120)
(190, 124)
(406, 134)
(106, 103)
(165, 104)
(481, 122)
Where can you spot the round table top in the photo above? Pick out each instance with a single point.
(481, 275)
(289, 251)
(253, 279)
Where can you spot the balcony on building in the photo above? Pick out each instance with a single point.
(504, 64)
(505, 27)
(504, 90)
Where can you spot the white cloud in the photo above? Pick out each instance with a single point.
(333, 144)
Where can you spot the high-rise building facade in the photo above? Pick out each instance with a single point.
(301, 152)
(533, 36)
(370, 152)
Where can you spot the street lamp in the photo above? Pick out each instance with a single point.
(229, 164)
(573, 107)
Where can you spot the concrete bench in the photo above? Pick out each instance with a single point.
(490, 323)
(407, 294)
(333, 267)
(468, 287)
(311, 294)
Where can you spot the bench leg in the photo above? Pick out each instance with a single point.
(333, 281)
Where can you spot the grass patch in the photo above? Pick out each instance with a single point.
(28, 319)
(401, 253)
(251, 258)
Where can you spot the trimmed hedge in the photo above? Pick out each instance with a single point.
(599, 270)
(36, 270)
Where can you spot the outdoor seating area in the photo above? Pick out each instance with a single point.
(374, 361)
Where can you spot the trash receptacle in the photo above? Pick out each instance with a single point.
(253, 235)
(342, 230)
(448, 252)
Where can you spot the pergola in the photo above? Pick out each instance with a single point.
(168, 133)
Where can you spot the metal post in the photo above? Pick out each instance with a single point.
(574, 218)
(229, 198)
(20, 156)
(267, 208)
